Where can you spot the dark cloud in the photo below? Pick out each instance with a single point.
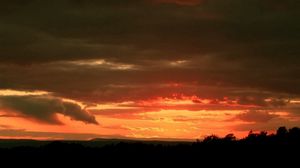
(44, 108)
(137, 30)
(262, 101)
(4, 126)
(256, 116)
(103, 84)
(229, 46)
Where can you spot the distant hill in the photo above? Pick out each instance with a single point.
(281, 147)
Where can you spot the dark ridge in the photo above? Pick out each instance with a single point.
(279, 148)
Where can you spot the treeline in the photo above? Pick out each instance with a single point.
(281, 146)
(281, 137)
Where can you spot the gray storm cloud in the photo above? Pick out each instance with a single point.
(45, 108)
(256, 116)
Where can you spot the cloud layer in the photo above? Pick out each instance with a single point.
(216, 42)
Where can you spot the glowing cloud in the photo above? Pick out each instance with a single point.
(8, 92)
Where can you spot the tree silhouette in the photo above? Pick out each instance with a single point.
(294, 135)
(282, 132)
(211, 139)
(260, 144)
(229, 137)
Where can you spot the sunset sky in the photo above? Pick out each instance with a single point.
(163, 69)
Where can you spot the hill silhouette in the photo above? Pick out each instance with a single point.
(281, 147)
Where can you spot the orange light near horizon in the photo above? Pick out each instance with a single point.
(176, 99)
(176, 116)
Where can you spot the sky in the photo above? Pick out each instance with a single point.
(162, 69)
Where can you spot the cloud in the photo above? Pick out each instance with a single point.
(110, 30)
(226, 46)
(44, 108)
(256, 116)
(4, 126)
(272, 125)
(262, 101)
(99, 84)
(241, 55)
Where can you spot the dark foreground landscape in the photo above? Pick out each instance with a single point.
(280, 148)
